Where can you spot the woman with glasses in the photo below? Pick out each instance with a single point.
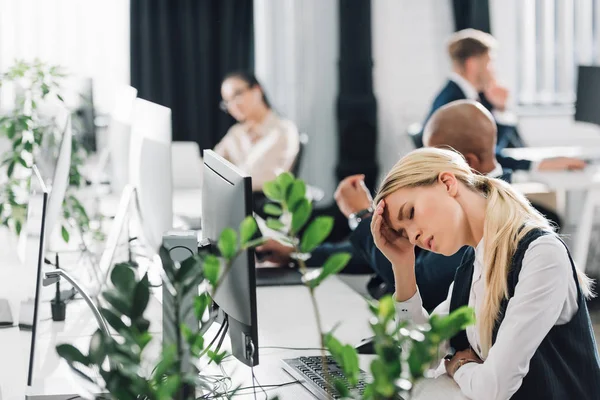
(262, 144)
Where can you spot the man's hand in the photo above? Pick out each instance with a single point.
(497, 95)
(352, 195)
(455, 363)
(275, 252)
(561, 164)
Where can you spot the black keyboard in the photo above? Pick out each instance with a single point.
(309, 371)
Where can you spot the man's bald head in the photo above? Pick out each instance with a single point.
(469, 128)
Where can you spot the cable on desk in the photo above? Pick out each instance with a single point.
(236, 391)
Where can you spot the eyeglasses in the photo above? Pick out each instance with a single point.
(224, 105)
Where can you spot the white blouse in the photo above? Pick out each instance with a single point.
(546, 295)
(272, 151)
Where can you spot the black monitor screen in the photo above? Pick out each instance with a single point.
(35, 247)
(226, 201)
(587, 105)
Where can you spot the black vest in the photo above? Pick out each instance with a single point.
(566, 364)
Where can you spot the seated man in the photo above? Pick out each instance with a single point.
(465, 126)
(471, 53)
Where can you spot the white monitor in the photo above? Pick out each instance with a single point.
(150, 168)
(119, 137)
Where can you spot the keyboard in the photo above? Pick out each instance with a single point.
(309, 371)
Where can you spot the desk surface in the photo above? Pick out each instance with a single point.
(539, 153)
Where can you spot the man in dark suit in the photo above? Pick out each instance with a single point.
(465, 126)
(471, 53)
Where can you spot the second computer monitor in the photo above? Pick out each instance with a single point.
(226, 202)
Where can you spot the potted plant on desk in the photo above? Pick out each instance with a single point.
(114, 364)
(27, 130)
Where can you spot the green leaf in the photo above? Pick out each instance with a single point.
(167, 263)
(316, 233)
(387, 308)
(142, 324)
(65, 234)
(201, 302)
(341, 388)
(168, 387)
(334, 264)
(141, 296)
(97, 351)
(284, 180)
(228, 243)
(301, 215)
(167, 361)
(458, 320)
(188, 267)
(296, 192)
(273, 210)
(216, 357)
(273, 191)
(212, 266)
(187, 333)
(72, 354)
(60, 97)
(248, 228)
(18, 226)
(123, 278)
(114, 320)
(11, 168)
(22, 162)
(115, 299)
(275, 224)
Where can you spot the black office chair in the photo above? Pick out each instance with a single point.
(303, 138)
(414, 131)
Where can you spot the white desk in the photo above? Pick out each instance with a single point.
(587, 181)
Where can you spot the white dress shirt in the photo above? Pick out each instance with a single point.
(265, 153)
(546, 295)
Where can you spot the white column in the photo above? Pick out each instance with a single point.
(548, 85)
(528, 52)
(565, 64)
(584, 34)
(296, 52)
(504, 15)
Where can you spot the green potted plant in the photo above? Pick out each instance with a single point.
(114, 366)
(27, 130)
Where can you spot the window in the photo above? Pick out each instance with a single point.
(555, 36)
(88, 38)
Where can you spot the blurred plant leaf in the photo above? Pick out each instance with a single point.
(212, 265)
(118, 301)
(284, 180)
(141, 296)
(300, 215)
(297, 192)
(123, 277)
(248, 228)
(273, 210)
(72, 354)
(275, 224)
(201, 302)
(228, 243)
(273, 191)
(316, 233)
(334, 264)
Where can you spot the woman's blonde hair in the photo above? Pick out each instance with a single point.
(509, 217)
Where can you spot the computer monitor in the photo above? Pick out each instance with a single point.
(119, 137)
(587, 104)
(36, 225)
(150, 169)
(226, 201)
(83, 111)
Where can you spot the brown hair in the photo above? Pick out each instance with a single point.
(469, 43)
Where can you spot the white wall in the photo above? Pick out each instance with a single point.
(410, 66)
(296, 53)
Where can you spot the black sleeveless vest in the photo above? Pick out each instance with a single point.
(566, 364)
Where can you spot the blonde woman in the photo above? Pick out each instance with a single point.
(533, 338)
